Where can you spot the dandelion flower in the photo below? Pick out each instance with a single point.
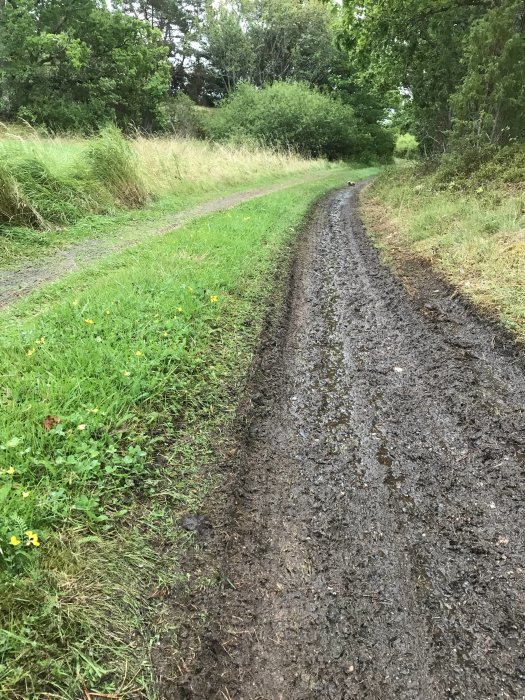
(14, 541)
(25, 494)
(108, 312)
(179, 309)
(214, 298)
(10, 470)
(126, 373)
(89, 321)
(82, 426)
(138, 353)
(31, 352)
(40, 341)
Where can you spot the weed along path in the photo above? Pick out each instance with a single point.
(19, 281)
(369, 539)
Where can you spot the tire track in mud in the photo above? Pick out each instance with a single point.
(376, 539)
(19, 281)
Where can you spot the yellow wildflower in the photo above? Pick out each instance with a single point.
(165, 334)
(108, 312)
(25, 494)
(31, 352)
(138, 353)
(94, 410)
(14, 541)
(40, 341)
(89, 321)
(126, 373)
(33, 538)
(179, 309)
(214, 298)
(82, 426)
(10, 470)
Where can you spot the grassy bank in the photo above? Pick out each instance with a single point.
(118, 385)
(57, 190)
(472, 229)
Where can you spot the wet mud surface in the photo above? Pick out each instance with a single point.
(372, 541)
(19, 281)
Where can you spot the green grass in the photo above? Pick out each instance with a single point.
(474, 235)
(141, 359)
(21, 244)
(53, 187)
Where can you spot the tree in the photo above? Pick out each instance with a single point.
(260, 41)
(489, 105)
(72, 64)
(414, 47)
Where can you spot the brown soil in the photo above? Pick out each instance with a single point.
(28, 275)
(370, 540)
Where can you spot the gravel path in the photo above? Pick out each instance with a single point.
(375, 538)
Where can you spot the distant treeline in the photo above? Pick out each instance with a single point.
(450, 72)
(74, 65)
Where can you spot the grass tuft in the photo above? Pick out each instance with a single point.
(114, 165)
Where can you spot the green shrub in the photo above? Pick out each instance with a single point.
(406, 147)
(288, 115)
(113, 163)
(183, 117)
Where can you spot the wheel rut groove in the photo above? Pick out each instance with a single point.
(375, 539)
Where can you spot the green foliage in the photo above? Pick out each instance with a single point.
(275, 40)
(458, 66)
(291, 115)
(74, 65)
(470, 168)
(406, 146)
(489, 104)
(183, 117)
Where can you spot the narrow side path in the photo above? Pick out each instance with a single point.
(373, 544)
(27, 276)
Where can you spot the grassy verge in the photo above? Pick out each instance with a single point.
(472, 233)
(19, 245)
(117, 386)
(56, 190)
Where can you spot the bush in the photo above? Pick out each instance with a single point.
(407, 147)
(288, 115)
(113, 163)
(183, 117)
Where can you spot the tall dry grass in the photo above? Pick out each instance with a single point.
(55, 180)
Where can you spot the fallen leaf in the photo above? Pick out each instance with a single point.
(50, 422)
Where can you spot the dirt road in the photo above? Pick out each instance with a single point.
(373, 546)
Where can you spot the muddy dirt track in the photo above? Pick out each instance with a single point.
(373, 546)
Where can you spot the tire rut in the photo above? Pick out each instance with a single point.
(376, 539)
